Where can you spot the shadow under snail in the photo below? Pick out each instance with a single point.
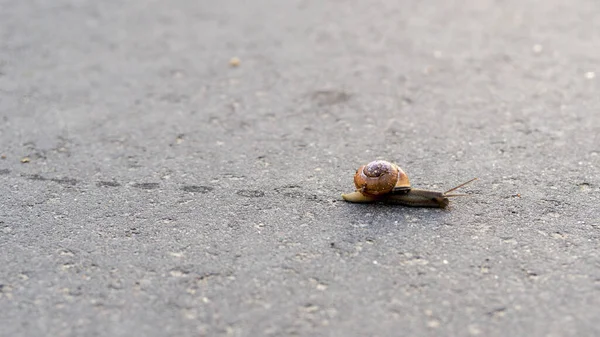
(382, 181)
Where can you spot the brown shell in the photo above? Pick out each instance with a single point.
(380, 177)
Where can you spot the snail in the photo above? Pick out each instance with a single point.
(386, 182)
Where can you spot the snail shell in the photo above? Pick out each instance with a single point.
(380, 177)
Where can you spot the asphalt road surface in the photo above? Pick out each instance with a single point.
(153, 185)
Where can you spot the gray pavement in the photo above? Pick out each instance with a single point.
(169, 193)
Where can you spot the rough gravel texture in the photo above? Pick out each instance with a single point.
(170, 193)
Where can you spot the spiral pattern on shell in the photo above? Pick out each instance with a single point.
(377, 177)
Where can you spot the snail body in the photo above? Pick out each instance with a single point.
(382, 181)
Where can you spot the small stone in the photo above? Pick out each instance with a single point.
(590, 75)
(537, 48)
(474, 330)
(433, 324)
(2, 156)
(234, 62)
(25, 160)
(311, 308)
(177, 273)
